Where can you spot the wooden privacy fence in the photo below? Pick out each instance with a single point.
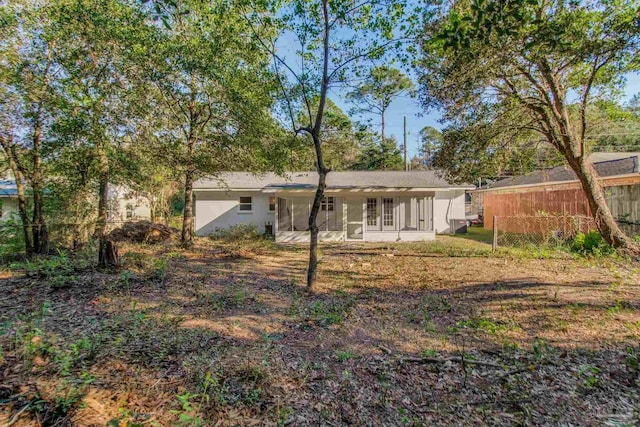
(539, 230)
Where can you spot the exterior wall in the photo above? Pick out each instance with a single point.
(219, 210)
(623, 198)
(395, 235)
(9, 207)
(448, 206)
(121, 199)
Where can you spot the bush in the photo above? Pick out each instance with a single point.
(591, 243)
(239, 232)
(11, 239)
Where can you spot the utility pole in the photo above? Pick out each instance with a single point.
(406, 164)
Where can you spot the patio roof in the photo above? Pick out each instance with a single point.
(430, 179)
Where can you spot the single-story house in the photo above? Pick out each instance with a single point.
(372, 206)
(558, 191)
(123, 203)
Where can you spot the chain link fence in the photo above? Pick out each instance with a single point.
(539, 230)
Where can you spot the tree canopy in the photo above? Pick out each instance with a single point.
(536, 66)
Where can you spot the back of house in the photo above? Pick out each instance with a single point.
(372, 206)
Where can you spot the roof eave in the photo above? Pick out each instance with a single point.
(333, 189)
(540, 184)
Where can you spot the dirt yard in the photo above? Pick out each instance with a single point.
(442, 333)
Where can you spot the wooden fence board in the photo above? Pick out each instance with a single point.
(623, 200)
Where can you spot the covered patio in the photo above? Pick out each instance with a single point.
(370, 217)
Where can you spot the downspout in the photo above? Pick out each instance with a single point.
(449, 212)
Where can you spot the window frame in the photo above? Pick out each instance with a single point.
(394, 216)
(129, 211)
(376, 214)
(328, 204)
(245, 203)
(272, 206)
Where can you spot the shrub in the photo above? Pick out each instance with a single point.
(591, 243)
(239, 232)
(11, 238)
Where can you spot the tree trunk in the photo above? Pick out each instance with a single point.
(107, 250)
(606, 223)
(152, 209)
(24, 217)
(315, 208)
(317, 144)
(39, 226)
(555, 122)
(108, 256)
(7, 146)
(186, 237)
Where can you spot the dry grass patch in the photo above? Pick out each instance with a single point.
(442, 333)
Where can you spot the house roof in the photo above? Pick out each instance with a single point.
(607, 168)
(335, 180)
(8, 188)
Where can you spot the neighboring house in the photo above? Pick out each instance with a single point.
(8, 197)
(123, 204)
(126, 205)
(371, 206)
(558, 191)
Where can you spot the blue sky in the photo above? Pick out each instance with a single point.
(417, 118)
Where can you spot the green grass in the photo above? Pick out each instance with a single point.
(478, 234)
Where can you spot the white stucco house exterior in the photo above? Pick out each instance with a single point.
(371, 206)
(125, 204)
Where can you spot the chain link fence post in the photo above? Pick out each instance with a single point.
(494, 246)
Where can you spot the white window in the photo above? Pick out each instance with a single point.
(328, 204)
(129, 211)
(373, 214)
(388, 213)
(245, 205)
(272, 204)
